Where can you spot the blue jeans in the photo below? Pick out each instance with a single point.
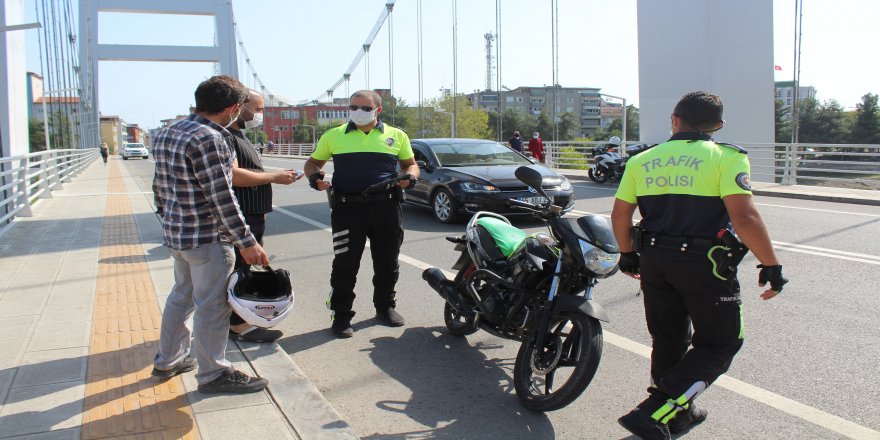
(200, 278)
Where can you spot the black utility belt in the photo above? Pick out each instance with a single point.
(368, 198)
(681, 244)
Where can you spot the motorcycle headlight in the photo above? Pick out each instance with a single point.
(477, 187)
(597, 260)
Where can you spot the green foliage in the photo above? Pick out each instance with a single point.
(568, 126)
(572, 159)
(783, 122)
(256, 136)
(544, 126)
(822, 122)
(36, 135)
(866, 127)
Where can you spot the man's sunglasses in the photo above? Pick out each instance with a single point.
(365, 108)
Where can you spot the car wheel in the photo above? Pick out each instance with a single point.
(124, 158)
(443, 206)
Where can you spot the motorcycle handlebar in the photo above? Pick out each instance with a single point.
(386, 184)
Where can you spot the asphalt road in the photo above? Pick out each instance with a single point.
(808, 368)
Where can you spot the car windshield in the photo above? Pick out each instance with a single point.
(481, 154)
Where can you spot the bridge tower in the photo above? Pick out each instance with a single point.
(223, 53)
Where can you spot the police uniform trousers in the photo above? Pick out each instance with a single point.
(353, 223)
(679, 291)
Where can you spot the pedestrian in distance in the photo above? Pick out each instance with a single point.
(104, 152)
(692, 192)
(536, 146)
(201, 222)
(516, 142)
(365, 151)
(253, 189)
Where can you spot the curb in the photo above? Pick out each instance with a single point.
(304, 407)
(781, 194)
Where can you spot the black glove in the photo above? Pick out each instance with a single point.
(629, 262)
(314, 178)
(773, 275)
(412, 181)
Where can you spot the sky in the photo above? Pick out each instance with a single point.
(299, 49)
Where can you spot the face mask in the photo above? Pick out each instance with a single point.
(256, 122)
(360, 117)
(234, 118)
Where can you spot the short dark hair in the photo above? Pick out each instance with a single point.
(701, 110)
(217, 93)
(375, 97)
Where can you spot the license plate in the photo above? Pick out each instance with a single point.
(534, 200)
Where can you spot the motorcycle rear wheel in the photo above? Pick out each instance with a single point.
(597, 176)
(458, 324)
(573, 349)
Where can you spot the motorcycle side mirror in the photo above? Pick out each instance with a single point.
(532, 178)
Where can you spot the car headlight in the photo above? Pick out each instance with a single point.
(566, 185)
(597, 260)
(477, 187)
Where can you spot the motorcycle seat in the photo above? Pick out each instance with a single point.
(507, 238)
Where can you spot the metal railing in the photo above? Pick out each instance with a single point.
(27, 178)
(838, 165)
(290, 149)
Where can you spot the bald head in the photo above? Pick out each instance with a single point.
(254, 104)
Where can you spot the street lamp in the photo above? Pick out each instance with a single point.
(623, 115)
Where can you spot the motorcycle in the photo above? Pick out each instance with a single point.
(536, 289)
(609, 165)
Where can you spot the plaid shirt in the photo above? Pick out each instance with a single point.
(193, 186)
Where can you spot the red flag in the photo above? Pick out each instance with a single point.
(777, 67)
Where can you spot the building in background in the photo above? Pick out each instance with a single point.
(135, 134)
(114, 133)
(785, 92)
(584, 102)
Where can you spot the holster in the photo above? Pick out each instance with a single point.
(637, 237)
(726, 256)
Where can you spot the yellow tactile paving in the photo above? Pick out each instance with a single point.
(122, 400)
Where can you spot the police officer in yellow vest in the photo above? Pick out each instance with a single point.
(365, 151)
(689, 190)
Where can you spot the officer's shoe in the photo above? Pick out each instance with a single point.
(342, 328)
(390, 317)
(687, 418)
(641, 424)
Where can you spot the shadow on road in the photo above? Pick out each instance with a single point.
(457, 390)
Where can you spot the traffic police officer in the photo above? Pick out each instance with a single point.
(365, 151)
(689, 190)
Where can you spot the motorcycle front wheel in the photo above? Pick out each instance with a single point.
(556, 376)
(597, 176)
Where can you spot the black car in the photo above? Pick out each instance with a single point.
(461, 176)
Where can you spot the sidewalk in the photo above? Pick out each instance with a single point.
(807, 192)
(82, 285)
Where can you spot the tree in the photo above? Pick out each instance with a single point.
(832, 123)
(257, 136)
(866, 129)
(807, 122)
(783, 122)
(472, 123)
(36, 135)
(544, 126)
(568, 126)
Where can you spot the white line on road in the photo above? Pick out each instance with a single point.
(758, 394)
(819, 210)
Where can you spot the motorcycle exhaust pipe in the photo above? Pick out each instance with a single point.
(443, 286)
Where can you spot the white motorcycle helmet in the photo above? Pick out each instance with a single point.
(614, 140)
(261, 298)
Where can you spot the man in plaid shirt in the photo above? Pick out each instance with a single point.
(201, 223)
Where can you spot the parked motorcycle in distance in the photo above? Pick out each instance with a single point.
(608, 165)
(536, 289)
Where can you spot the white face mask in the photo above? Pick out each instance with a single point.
(234, 118)
(256, 122)
(360, 117)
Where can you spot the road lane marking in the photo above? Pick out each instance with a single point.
(819, 210)
(758, 394)
(799, 248)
